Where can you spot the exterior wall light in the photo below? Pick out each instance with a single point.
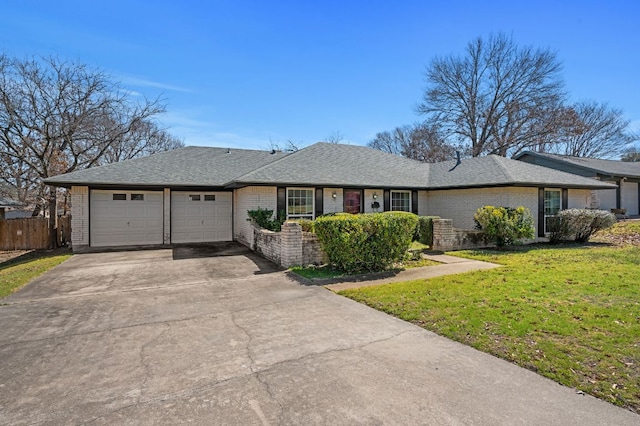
(334, 195)
(375, 195)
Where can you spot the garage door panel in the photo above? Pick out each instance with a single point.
(201, 217)
(126, 222)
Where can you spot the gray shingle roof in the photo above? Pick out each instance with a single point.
(493, 170)
(326, 164)
(598, 165)
(190, 166)
(321, 164)
(6, 202)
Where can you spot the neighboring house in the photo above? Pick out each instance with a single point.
(6, 203)
(625, 175)
(199, 194)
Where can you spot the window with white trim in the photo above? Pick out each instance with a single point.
(300, 203)
(401, 201)
(552, 205)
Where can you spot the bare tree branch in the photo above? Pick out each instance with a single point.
(421, 141)
(496, 98)
(58, 116)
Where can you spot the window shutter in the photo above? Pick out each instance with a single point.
(282, 201)
(565, 198)
(386, 200)
(414, 202)
(540, 212)
(319, 202)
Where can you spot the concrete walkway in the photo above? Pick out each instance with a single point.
(450, 265)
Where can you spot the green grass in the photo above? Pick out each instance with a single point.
(327, 272)
(570, 313)
(15, 274)
(318, 272)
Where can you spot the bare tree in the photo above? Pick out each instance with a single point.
(497, 97)
(590, 129)
(58, 116)
(288, 146)
(335, 137)
(631, 155)
(145, 138)
(421, 141)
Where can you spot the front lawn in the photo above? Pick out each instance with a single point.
(17, 272)
(570, 313)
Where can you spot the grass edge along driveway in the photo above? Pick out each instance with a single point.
(570, 313)
(18, 272)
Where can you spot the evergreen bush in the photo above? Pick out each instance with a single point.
(366, 242)
(424, 230)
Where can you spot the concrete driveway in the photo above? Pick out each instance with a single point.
(220, 336)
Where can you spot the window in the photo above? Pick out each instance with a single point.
(209, 197)
(137, 197)
(194, 197)
(300, 203)
(119, 197)
(401, 201)
(552, 205)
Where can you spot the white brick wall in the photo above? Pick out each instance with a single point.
(579, 199)
(250, 198)
(79, 216)
(330, 204)
(423, 200)
(460, 204)
(368, 199)
(606, 198)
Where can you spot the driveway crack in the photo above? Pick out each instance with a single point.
(107, 330)
(257, 373)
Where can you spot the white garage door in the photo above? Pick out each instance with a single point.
(198, 217)
(125, 218)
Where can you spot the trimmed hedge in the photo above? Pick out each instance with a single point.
(505, 225)
(579, 224)
(366, 242)
(424, 230)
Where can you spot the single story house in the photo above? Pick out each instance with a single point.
(625, 175)
(201, 194)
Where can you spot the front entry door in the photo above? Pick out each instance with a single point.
(352, 201)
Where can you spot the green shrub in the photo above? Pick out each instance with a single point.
(505, 225)
(264, 218)
(579, 224)
(424, 230)
(306, 224)
(365, 242)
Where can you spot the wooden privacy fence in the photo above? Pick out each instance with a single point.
(33, 233)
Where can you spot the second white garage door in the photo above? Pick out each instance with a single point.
(198, 217)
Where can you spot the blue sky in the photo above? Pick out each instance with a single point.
(247, 73)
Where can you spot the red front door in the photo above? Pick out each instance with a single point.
(352, 201)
